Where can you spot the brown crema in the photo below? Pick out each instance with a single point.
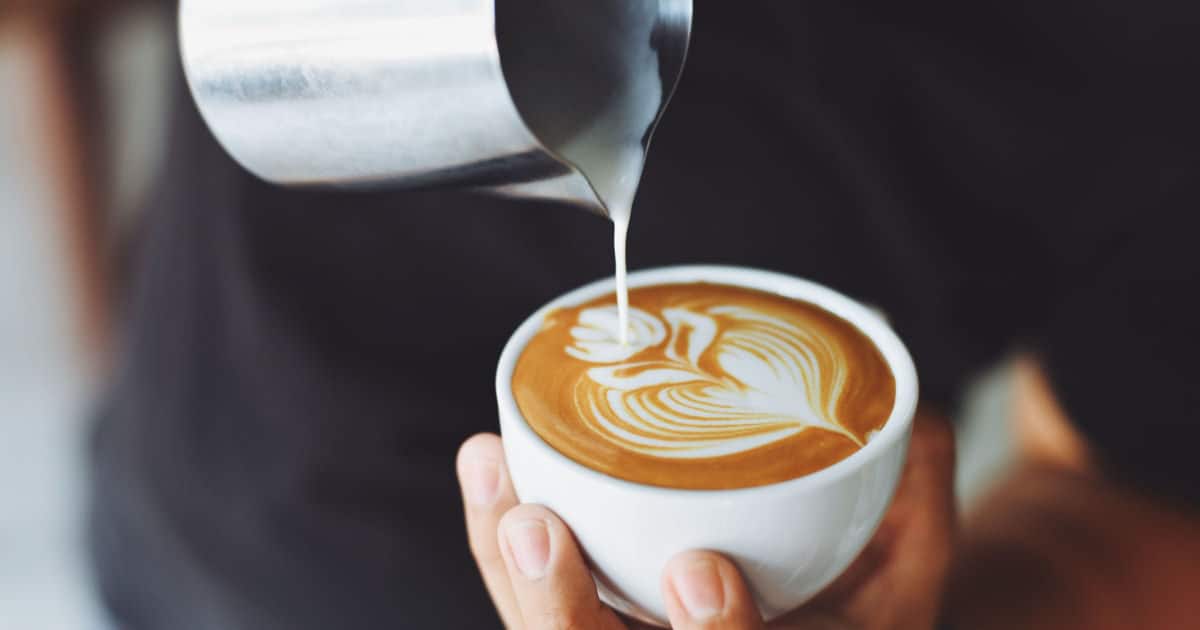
(720, 387)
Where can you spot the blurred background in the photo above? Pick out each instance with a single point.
(60, 259)
(51, 269)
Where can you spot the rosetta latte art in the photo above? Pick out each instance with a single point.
(767, 380)
(715, 387)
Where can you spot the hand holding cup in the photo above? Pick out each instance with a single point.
(538, 578)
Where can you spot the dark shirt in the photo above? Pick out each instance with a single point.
(299, 367)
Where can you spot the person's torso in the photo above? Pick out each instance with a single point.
(300, 365)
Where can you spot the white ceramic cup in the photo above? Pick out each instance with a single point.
(790, 539)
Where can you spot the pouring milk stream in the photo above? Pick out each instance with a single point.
(598, 121)
(528, 98)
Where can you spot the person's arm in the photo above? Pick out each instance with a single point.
(1060, 545)
(49, 41)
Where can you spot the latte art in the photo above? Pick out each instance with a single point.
(709, 374)
(763, 382)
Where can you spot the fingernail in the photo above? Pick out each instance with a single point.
(698, 585)
(481, 481)
(530, 545)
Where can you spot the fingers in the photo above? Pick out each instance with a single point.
(487, 495)
(924, 547)
(926, 499)
(551, 581)
(898, 580)
(705, 591)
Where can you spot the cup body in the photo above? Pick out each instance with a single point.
(790, 539)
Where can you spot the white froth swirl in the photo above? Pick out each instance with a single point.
(774, 379)
(598, 340)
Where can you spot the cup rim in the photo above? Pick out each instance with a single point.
(866, 320)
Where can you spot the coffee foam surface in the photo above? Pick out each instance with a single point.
(709, 374)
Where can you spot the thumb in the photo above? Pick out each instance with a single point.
(551, 580)
(704, 590)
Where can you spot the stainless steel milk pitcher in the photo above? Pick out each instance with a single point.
(542, 98)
